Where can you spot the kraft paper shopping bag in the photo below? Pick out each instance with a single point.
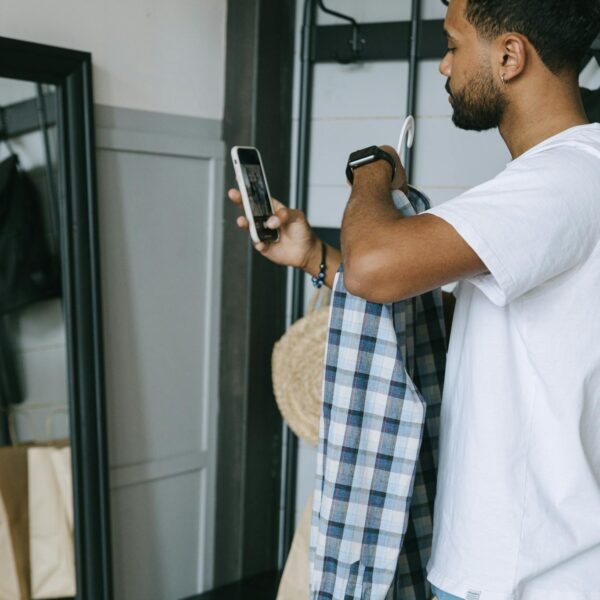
(14, 524)
(294, 583)
(51, 523)
(9, 580)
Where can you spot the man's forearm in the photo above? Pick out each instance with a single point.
(369, 212)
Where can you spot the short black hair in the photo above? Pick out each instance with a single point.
(561, 31)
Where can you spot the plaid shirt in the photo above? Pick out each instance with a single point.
(376, 473)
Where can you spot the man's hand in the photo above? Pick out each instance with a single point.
(298, 246)
(400, 182)
(297, 241)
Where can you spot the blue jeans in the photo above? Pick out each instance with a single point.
(443, 595)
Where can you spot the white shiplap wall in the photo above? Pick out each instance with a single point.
(358, 105)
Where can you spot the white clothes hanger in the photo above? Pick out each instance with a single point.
(407, 136)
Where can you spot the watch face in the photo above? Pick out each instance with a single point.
(360, 155)
(366, 156)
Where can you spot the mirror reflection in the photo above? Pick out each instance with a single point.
(36, 507)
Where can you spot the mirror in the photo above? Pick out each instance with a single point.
(33, 363)
(54, 517)
(33, 383)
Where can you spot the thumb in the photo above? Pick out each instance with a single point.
(283, 216)
(393, 153)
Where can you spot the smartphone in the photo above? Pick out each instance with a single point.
(256, 197)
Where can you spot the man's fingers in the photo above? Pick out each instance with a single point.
(393, 152)
(261, 246)
(283, 216)
(399, 181)
(235, 195)
(278, 219)
(277, 205)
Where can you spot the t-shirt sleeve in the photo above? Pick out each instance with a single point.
(529, 224)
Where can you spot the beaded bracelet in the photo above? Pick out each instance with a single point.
(320, 278)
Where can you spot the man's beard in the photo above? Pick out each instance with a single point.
(480, 105)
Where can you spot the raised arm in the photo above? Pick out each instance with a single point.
(387, 257)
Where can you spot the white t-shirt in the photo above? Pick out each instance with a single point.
(517, 512)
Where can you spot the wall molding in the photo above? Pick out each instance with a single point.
(131, 130)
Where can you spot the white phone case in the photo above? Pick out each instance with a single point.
(237, 167)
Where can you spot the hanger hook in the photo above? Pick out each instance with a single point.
(356, 43)
(407, 136)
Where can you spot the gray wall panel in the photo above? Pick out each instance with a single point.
(160, 211)
(153, 522)
(153, 234)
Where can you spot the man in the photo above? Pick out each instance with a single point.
(517, 511)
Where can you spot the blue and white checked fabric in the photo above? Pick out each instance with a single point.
(377, 456)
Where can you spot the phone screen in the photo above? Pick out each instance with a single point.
(257, 190)
(254, 181)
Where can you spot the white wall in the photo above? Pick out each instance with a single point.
(359, 105)
(148, 54)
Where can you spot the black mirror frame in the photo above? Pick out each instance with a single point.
(71, 72)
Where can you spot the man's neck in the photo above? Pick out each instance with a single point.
(541, 116)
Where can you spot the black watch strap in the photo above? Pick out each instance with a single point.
(367, 156)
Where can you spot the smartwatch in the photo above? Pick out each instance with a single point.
(367, 156)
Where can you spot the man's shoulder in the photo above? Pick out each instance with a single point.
(570, 167)
(566, 157)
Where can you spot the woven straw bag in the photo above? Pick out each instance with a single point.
(297, 367)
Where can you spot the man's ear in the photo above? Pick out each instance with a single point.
(513, 52)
